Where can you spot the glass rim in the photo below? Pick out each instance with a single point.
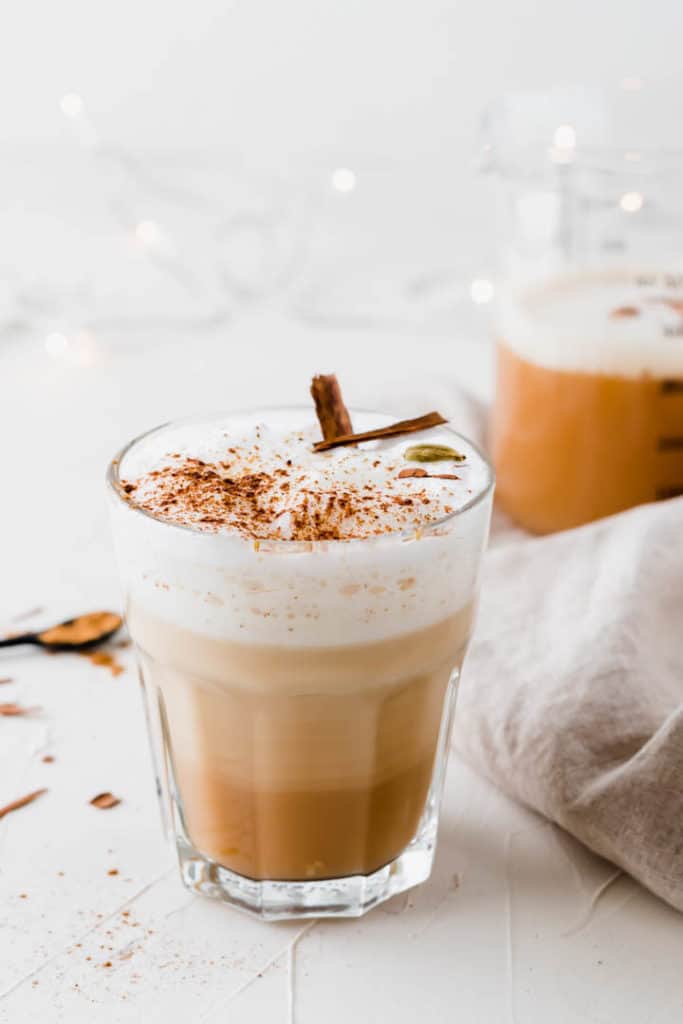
(113, 481)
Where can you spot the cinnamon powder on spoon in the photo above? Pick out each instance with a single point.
(82, 630)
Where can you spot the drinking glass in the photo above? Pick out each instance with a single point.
(588, 416)
(299, 778)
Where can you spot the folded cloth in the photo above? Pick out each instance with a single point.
(572, 696)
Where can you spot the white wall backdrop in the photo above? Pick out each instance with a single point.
(281, 79)
(220, 124)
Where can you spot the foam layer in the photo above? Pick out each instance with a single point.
(263, 481)
(403, 576)
(623, 323)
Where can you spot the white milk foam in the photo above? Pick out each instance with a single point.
(568, 323)
(294, 593)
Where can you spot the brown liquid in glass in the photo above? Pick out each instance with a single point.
(573, 447)
(300, 763)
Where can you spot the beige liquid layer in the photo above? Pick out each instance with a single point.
(301, 763)
(573, 447)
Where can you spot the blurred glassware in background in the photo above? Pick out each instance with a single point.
(588, 416)
(403, 248)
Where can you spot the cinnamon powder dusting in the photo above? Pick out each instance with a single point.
(288, 486)
(288, 502)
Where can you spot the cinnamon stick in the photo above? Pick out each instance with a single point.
(331, 411)
(21, 802)
(431, 419)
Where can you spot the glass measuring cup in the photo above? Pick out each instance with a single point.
(588, 417)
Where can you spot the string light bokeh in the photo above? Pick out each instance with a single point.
(241, 256)
(631, 202)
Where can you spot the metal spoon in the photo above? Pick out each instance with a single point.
(73, 635)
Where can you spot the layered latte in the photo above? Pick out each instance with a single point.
(301, 618)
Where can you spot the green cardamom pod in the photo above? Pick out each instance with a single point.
(432, 453)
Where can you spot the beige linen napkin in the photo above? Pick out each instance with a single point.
(572, 693)
(572, 696)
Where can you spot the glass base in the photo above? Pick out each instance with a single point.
(336, 897)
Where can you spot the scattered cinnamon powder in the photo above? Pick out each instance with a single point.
(623, 312)
(21, 802)
(251, 504)
(113, 871)
(85, 629)
(322, 498)
(9, 710)
(281, 504)
(106, 660)
(104, 801)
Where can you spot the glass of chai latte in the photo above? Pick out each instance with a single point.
(588, 416)
(300, 619)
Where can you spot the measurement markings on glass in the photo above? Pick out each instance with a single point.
(664, 493)
(671, 387)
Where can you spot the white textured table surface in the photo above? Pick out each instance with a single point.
(518, 924)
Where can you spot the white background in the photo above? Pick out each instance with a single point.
(281, 81)
(392, 89)
(285, 85)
